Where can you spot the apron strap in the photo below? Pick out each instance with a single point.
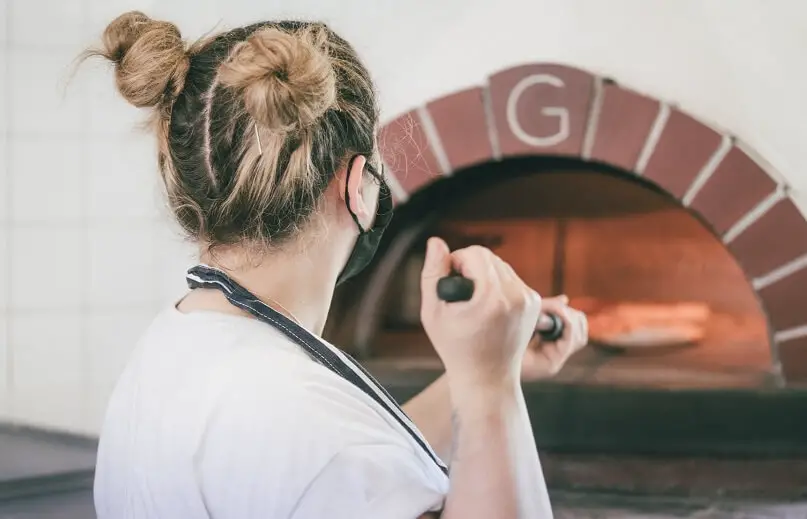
(203, 276)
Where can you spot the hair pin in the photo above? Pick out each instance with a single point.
(258, 138)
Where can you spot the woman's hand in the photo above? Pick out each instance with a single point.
(495, 469)
(481, 341)
(545, 359)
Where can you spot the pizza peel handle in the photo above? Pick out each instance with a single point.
(456, 288)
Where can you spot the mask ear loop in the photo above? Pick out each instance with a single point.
(385, 190)
(347, 196)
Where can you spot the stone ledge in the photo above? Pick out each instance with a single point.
(603, 420)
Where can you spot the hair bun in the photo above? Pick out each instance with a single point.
(287, 78)
(149, 56)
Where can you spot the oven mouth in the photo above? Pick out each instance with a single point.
(620, 247)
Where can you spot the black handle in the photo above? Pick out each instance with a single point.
(455, 288)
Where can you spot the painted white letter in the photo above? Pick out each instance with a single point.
(554, 111)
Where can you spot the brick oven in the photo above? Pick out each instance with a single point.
(627, 204)
(685, 250)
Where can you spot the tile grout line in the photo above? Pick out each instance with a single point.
(107, 223)
(490, 122)
(156, 255)
(797, 332)
(101, 309)
(780, 273)
(7, 126)
(755, 214)
(593, 121)
(708, 170)
(653, 137)
(84, 254)
(433, 138)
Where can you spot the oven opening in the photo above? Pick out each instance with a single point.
(668, 305)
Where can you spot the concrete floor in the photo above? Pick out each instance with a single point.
(72, 505)
(574, 505)
(78, 505)
(46, 476)
(29, 453)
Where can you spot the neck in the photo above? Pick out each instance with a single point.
(292, 282)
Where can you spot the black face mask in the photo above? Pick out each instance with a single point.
(368, 240)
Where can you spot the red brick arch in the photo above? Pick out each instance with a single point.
(551, 109)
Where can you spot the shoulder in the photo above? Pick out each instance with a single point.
(280, 431)
(293, 397)
(301, 444)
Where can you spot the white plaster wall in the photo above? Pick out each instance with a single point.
(78, 197)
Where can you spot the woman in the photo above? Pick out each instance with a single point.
(231, 405)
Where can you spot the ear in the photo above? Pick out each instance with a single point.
(354, 180)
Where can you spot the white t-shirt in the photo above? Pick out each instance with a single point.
(220, 416)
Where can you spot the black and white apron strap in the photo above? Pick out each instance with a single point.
(203, 276)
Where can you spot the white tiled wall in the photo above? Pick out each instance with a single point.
(80, 213)
(48, 368)
(5, 366)
(43, 187)
(121, 166)
(46, 267)
(108, 340)
(79, 204)
(5, 384)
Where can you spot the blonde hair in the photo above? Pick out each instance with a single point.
(251, 124)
